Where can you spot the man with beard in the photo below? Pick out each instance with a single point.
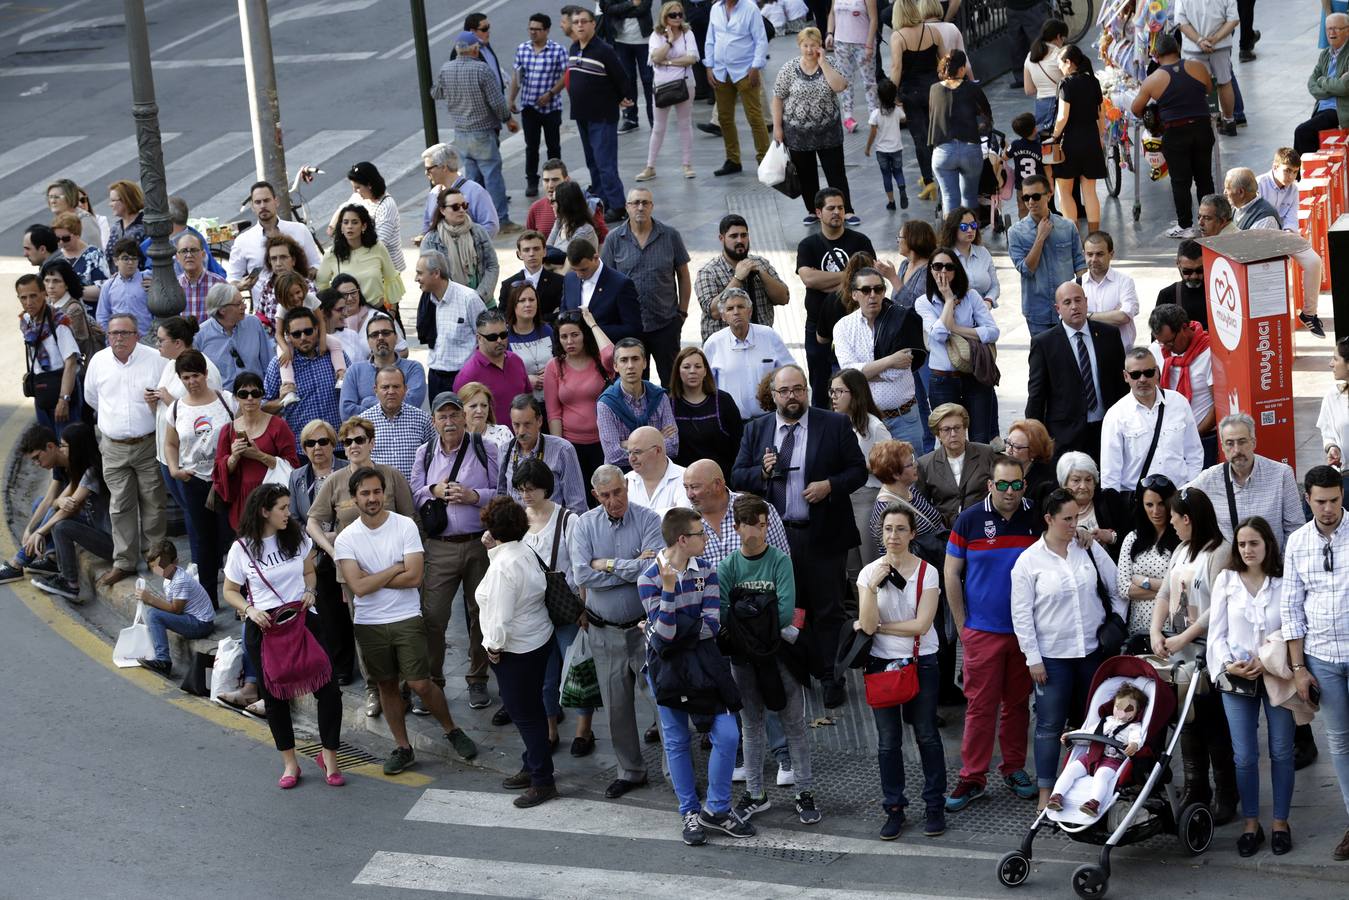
(1188, 293)
(358, 388)
(806, 462)
(248, 253)
(735, 269)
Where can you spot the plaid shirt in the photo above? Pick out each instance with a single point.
(314, 382)
(472, 94)
(397, 439)
(723, 539)
(711, 284)
(1271, 493)
(612, 430)
(539, 71)
(195, 293)
(456, 317)
(1315, 603)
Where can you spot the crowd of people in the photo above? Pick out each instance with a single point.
(727, 528)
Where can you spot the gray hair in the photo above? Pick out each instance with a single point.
(1243, 179)
(489, 316)
(219, 295)
(178, 239)
(442, 155)
(178, 210)
(1221, 207)
(1238, 418)
(437, 262)
(1076, 461)
(736, 292)
(606, 474)
(1140, 353)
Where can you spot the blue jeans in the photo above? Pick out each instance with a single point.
(957, 166)
(674, 724)
(599, 141)
(1046, 109)
(921, 714)
(1243, 720)
(892, 169)
(563, 635)
(1334, 680)
(979, 401)
(908, 427)
(22, 555)
(46, 417)
(482, 163)
(161, 623)
(922, 377)
(1062, 698)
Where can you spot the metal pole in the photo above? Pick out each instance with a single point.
(165, 295)
(269, 154)
(419, 39)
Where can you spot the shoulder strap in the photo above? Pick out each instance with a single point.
(459, 457)
(258, 569)
(1231, 499)
(557, 535)
(504, 467)
(221, 398)
(1102, 592)
(1152, 448)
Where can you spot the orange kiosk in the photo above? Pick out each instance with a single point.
(1251, 333)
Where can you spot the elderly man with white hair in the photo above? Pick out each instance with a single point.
(231, 338)
(1329, 87)
(442, 165)
(655, 481)
(1251, 211)
(1249, 484)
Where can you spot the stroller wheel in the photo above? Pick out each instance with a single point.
(1013, 869)
(1195, 828)
(1090, 882)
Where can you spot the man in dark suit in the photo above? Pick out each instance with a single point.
(1072, 374)
(809, 479)
(530, 248)
(610, 295)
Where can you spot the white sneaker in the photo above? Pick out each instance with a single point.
(739, 774)
(1179, 233)
(786, 776)
(290, 399)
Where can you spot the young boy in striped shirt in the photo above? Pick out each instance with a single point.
(184, 609)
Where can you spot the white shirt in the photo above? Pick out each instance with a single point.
(957, 464)
(1333, 420)
(284, 574)
(738, 366)
(169, 379)
(248, 252)
(1126, 432)
(533, 278)
(1055, 607)
(1284, 199)
(1201, 380)
(1045, 74)
(375, 549)
(117, 391)
(60, 347)
(669, 490)
(1239, 623)
(541, 542)
(588, 285)
(1315, 603)
(855, 343)
(1098, 414)
(1206, 17)
(900, 606)
(1115, 291)
(510, 600)
(876, 432)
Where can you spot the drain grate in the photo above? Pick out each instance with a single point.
(347, 755)
(805, 857)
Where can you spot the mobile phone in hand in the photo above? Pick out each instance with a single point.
(1314, 693)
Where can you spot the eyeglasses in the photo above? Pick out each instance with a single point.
(969, 226)
(797, 391)
(702, 533)
(358, 440)
(1157, 480)
(317, 442)
(494, 336)
(1141, 373)
(1017, 447)
(1032, 198)
(249, 394)
(121, 334)
(838, 392)
(354, 292)
(950, 429)
(641, 203)
(638, 451)
(303, 332)
(188, 251)
(127, 257)
(484, 28)
(1328, 557)
(941, 266)
(430, 169)
(454, 207)
(870, 289)
(1017, 484)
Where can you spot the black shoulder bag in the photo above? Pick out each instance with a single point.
(564, 606)
(434, 512)
(1152, 448)
(43, 387)
(1113, 631)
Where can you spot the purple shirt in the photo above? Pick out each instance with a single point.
(505, 383)
(464, 518)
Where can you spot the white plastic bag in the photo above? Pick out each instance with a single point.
(134, 644)
(773, 169)
(580, 678)
(229, 667)
(278, 474)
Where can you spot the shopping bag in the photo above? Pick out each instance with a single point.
(228, 671)
(580, 679)
(279, 473)
(197, 679)
(773, 166)
(134, 643)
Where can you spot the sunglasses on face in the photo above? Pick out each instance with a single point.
(1196, 271)
(454, 207)
(1141, 373)
(317, 442)
(674, 15)
(358, 440)
(65, 238)
(381, 333)
(1017, 484)
(969, 226)
(494, 336)
(249, 394)
(1031, 198)
(942, 266)
(871, 289)
(303, 332)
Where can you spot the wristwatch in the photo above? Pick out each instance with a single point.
(1147, 584)
(66, 397)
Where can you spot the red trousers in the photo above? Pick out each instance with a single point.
(995, 675)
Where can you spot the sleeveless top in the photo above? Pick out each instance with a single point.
(921, 64)
(1184, 98)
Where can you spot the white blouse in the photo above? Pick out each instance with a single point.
(541, 542)
(1045, 74)
(1238, 623)
(1055, 607)
(1333, 422)
(876, 432)
(510, 600)
(900, 606)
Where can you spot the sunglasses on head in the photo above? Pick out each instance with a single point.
(1141, 373)
(1031, 198)
(317, 442)
(1157, 480)
(358, 440)
(942, 266)
(303, 332)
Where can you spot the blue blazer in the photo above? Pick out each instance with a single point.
(614, 303)
(832, 453)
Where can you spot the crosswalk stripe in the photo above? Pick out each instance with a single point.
(454, 21)
(394, 164)
(32, 200)
(574, 816)
(312, 150)
(494, 878)
(12, 161)
(213, 62)
(195, 165)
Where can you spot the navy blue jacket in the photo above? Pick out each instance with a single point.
(614, 303)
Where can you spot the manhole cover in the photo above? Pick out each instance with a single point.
(347, 755)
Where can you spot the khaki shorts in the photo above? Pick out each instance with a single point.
(395, 651)
(1218, 63)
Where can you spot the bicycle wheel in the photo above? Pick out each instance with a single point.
(1079, 14)
(1114, 170)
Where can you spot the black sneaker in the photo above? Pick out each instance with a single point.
(694, 833)
(805, 808)
(1227, 128)
(10, 573)
(626, 127)
(46, 565)
(55, 584)
(727, 823)
(398, 760)
(501, 717)
(935, 822)
(748, 805)
(903, 199)
(728, 168)
(1313, 324)
(162, 666)
(894, 824)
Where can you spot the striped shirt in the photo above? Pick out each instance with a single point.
(990, 546)
(723, 540)
(1315, 601)
(195, 293)
(397, 438)
(456, 315)
(1270, 492)
(596, 82)
(196, 602)
(695, 598)
(539, 71)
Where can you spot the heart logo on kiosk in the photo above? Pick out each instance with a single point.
(1226, 311)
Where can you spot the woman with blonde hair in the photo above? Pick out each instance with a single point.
(128, 221)
(806, 121)
(63, 196)
(915, 48)
(480, 415)
(673, 51)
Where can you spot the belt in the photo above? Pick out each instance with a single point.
(903, 410)
(596, 620)
(132, 440)
(1179, 122)
(945, 373)
(459, 538)
(790, 523)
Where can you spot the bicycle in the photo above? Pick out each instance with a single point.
(1079, 14)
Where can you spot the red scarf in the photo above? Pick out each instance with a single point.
(1198, 344)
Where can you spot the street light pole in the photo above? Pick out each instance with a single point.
(165, 295)
(420, 41)
(269, 154)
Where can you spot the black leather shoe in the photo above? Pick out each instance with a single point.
(583, 746)
(1250, 842)
(501, 717)
(1280, 842)
(621, 786)
(1304, 747)
(652, 735)
(710, 128)
(517, 782)
(728, 168)
(534, 796)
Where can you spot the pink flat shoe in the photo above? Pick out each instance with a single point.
(334, 779)
(286, 782)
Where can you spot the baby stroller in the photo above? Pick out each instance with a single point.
(1143, 801)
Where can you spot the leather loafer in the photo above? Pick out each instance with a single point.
(1280, 842)
(652, 735)
(517, 782)
(728, 168)
(583, 746)
(621, 786)
(535, 795)
(501, 717)
(1250, 841)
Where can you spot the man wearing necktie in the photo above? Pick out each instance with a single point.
(806, 462)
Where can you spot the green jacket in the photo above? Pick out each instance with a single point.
(1323, 87)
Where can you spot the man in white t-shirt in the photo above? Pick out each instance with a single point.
(381, 557)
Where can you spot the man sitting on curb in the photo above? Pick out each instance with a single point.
(184, 609)
(39, 444)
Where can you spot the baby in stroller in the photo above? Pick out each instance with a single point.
(1101, 762)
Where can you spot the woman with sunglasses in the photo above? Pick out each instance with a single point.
(466, 245)
(249, 447)
(960, 232)
(580, 370)
(87, 259)
(319, 441)
(673, 50)
(63, 196)
(951, 310)
(1145, 555)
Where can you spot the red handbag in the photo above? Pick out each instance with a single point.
(895, 687)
